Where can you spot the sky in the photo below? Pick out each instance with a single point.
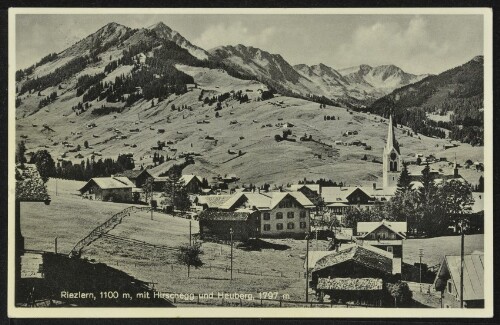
(416, 43)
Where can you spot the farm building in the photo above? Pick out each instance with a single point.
(216, 223)
(448, 281)
(117, 189)
(282, 214)
(138, 177)
(356, 274)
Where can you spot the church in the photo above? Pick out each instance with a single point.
(339, 199)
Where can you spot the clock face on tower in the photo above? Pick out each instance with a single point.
(393, 156)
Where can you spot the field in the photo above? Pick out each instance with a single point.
(146, 249)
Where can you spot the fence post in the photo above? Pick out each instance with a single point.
(280, 301)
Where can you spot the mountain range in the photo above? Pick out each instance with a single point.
(122, 90)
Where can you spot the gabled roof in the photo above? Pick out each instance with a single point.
(220, 215)
(351, 284)
(29, 185)
(473, 274)
(265, 201)
(360, 254)
(312, 187)
(368, 227)
(341, 194)
(189, 178)
(212, 201)
(109, 183)
(132, 174)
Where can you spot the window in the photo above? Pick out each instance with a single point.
(302, 214)
(267, 227)
(289, 215)
(303, 225)
(279, 215)
(389, 249)
(267, 216)
(290, 225)
(279, 226)
(449, 286)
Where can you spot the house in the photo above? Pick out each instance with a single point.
(116, 189)
(356, 274)
(215, 223)
(448, 281)
(385, 235)
(193, 183)
(138, 177)
(282, 214)
(311, 191)
(339, 199)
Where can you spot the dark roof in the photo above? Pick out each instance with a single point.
(350, 284)
(219, 215)
(29, 185)
(132, 174)
(358, 254)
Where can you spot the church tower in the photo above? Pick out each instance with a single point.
(391, 158)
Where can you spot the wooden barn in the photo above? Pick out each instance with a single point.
(116, 189)
(216, 223)
(356, 274)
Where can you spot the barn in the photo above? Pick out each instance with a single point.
(356, 274)
(218, 224)
(138, 177)
(116, 189)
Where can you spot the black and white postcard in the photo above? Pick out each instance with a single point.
(250, 163)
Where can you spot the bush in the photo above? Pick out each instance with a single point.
(278, 138)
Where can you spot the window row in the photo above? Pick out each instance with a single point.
(290, 225)
(279, 215)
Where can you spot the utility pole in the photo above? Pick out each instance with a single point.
(316, 237)
(231, 233)
(189, 232)
(307, 267)
(152, 200)
(56, 186)
(55, 245)
(420, 254)
(462, 239)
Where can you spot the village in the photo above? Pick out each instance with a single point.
(302, 244)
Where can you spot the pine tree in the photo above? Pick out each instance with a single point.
(404, 181)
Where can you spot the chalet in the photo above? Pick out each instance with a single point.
(356, 274)
(193, 183)
(282, 214)
(243, 223)
(117, 189)
(385, 235)
(448, 281)
(339, 199)
(138, 177)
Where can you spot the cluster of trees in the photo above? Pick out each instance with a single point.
(266, 94)
(80, 108)
(242, 98)
(60, 74)
(91, 168)
(175, 192)
(429, 210)
(20, 74)
(322, 181)
(47, 100)
(105, 110)
(84, 82)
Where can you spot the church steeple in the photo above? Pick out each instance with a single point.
(391, 158)
(391, 138)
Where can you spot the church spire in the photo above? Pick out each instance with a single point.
(391, 137)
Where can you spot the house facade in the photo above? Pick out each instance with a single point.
(448, 281)
(282, 214)
(386, 235)
(138, 177)
(116, 189)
